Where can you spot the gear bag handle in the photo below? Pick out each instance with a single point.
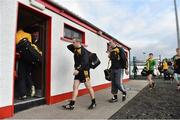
(108, 64)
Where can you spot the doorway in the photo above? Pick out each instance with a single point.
(38, 26)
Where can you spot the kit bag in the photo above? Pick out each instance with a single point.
(107, 72)
(27, 52)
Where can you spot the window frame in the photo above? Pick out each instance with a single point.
(67, 39)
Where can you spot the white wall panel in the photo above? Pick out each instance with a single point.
(8, 9)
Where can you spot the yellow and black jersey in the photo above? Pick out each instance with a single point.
(118, 58)
(21, 34)
(80, 57)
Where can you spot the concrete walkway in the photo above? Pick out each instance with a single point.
(104, 109)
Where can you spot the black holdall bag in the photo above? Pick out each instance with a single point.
(27, 52)
(107, 73)
(144, 72)
(94, 60)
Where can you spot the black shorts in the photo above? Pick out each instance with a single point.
(150, 72)
(83, 76)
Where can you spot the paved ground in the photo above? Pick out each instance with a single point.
(104, 109)
(163, 102)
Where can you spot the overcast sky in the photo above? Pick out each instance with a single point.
(144, 25)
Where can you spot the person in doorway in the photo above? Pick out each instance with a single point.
(118, 65)
(176, 64)
(37, 72)
(81, 73)
(24, 67)
(150, 64)
(35, 33)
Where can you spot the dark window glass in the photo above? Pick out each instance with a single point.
(70, 32)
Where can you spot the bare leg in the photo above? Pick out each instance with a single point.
(151, 82)
(70, 106)
(75, 89)
(91, 92)
(90, 89)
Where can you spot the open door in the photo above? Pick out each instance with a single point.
(37, 25)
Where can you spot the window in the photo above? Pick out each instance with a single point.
(70, 33)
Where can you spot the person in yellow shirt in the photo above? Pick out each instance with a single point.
(165, 68)
(25, 83)
(21, 34)
(165, 65)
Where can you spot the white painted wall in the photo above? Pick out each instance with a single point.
(8, 10)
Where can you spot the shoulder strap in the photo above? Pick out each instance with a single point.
(108, 64)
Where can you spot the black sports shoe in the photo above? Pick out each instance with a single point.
(113, 100)
(92, 106)
(68, 107)
(124, 97)
(22, 97)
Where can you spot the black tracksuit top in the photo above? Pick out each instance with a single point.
(118, 60)
(80, 59)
